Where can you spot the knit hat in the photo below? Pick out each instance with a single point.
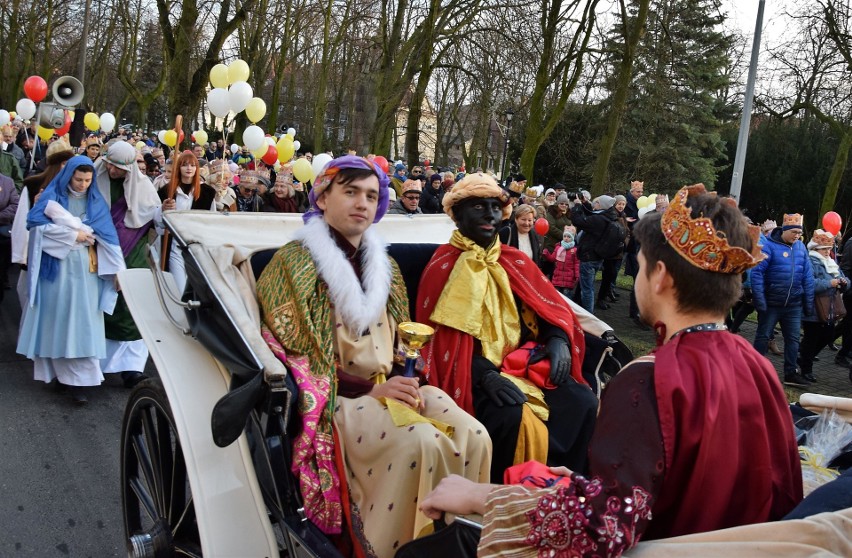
(568, 235)
(605, 202)
(476, 185)
(563, 198)
(821, 239)
(792, 221)
(434, 177)
(520, 178)
(412, 186)
(549, 191)
(620, 198)
(399, 167)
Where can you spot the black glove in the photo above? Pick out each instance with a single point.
(560, 359)
(501, 390)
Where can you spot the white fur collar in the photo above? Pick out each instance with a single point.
(359, 305)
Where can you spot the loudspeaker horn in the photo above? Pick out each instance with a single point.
(68, 91)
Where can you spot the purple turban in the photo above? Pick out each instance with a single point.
(330, 170)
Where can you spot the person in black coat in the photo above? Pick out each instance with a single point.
(432, 197)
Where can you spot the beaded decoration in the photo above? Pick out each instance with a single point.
(698, 241)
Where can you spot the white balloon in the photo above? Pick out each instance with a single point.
(319, 162)
(25, 108)
(218, 102)
(4, 117)
(107, 122)
(644, 211)
(239, 95)
(161, 135)
(270, 140)
(234, 148)
(297, 145)
(292, 132)
(253, 137)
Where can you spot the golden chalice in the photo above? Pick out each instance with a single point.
(414, 335)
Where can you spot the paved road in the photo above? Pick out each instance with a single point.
(59, 464)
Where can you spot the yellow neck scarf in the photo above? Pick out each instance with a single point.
(477, 299)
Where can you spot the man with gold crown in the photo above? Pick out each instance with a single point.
(486, 300)
(694, 437)
(782, 288)
(373, 442)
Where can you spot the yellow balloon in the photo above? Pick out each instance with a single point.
(200, 137)
(285, 148)
(92, 121)
(238, 70)
(45, 133)
(140, 145)
(642, 202)
(170, 138)
(302, 170)
(289, 136)
(256, 109)
(219, 76)
(12, 114)
(260, 151)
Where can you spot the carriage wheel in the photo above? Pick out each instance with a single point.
(159, 514)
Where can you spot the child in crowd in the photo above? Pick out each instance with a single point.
(567, 265)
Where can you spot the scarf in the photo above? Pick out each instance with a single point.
(283, 205)
(97, 212)
(830, 265)
(477, 299)
(567, 245)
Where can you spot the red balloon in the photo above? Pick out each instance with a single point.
(35, 88)
(542, 226)
(382, 162)
(61, 131)
(271, 155)
(832, 222)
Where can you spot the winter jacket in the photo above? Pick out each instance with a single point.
(431, 201)
(785, 277)
(822, 284)
(397, 208)
(557, 227)
(566, 273)
(8, 201)
(509, 237)
(592, 225)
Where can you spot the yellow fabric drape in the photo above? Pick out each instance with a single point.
(477, 299)
(403, 415)
(532, 439)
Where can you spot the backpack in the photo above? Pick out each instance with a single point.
(611, 243)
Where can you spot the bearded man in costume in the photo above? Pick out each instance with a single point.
(373, 442)
(485, 299)
(695, 437)
(133, 202)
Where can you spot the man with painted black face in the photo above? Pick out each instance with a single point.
(485, 300)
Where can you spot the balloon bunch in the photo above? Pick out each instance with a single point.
(104, 122)
(231, 92)
(171, 138)
(646, 204)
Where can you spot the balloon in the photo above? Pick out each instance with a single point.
(219, 76)
(271, 156)
(379, 160)
(319, 162)
(25, 108)
(238, 70)
(291, 132)
(170, 138)
(270, 140)
(4, 117)
(200, 137)
(285, 149)
(44, 133)
(181, 136)
(234, 148)
(239, 95)
(253, 137)
(302, 170)
(107, 122)
(297, 145)
(832, 222)
(35, 88)
(91, 121)
(277, 166)
(642, 201)
(161, 136)
(140, 145)
(645, 210)
(62, 130)
(256, 109)
(12, 115)
(260, 151)
(541, 226)
(218, 102)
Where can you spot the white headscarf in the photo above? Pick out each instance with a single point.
(139, 191)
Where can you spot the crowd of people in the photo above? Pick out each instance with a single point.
(643, 462)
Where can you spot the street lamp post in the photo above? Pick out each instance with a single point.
(509, 114)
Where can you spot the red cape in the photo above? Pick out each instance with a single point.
(448, 355)
(730, 450)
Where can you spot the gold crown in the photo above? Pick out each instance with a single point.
(698, 241)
